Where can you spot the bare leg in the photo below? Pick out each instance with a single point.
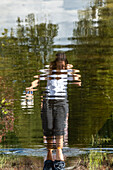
(59, 142)
(49, 147)
(49, 142)
(49, 155)
(59, 146)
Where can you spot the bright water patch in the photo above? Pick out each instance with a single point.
(42, 152)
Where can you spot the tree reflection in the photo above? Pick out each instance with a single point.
(28, 46)
(92, 39)
(38, 38)
(29, 39)
(22, 50)
(6, 110)
(93, 31)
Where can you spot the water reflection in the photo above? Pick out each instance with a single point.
(92, 39)
(6, 111)
(32, 45)
(54, 105)
(93, 32)
(28, 39)
(22, 50)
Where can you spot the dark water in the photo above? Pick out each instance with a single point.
(28, 43)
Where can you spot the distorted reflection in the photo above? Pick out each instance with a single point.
(6, 111)
(54, 106)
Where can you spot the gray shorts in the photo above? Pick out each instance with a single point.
(53, 116)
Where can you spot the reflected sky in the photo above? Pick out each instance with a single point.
(62, 12)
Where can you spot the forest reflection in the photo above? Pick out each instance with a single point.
(92, 44)
(28, 48)
(93, 32)
(6, 110)
(29, 39)
(17, 47)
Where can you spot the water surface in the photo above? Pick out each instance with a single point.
(30, 36)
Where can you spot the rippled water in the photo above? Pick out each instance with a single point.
(30, 36)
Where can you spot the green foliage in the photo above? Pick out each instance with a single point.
(95, 159)
(5, 106)
(99, 141)
(7, 160)
(93, 32)
(30, 38)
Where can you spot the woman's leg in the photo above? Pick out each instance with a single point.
(49, 147)
(59, 146)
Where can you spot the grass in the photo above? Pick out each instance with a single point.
(95, 160)
(12, 162)
(7, 161)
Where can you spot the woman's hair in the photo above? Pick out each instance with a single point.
(60, 62)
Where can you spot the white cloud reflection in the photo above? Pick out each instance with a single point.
(62, 12)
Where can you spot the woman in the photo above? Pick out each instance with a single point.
(54, 112)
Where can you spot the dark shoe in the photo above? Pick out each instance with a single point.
(59, 165)
(48, 165)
